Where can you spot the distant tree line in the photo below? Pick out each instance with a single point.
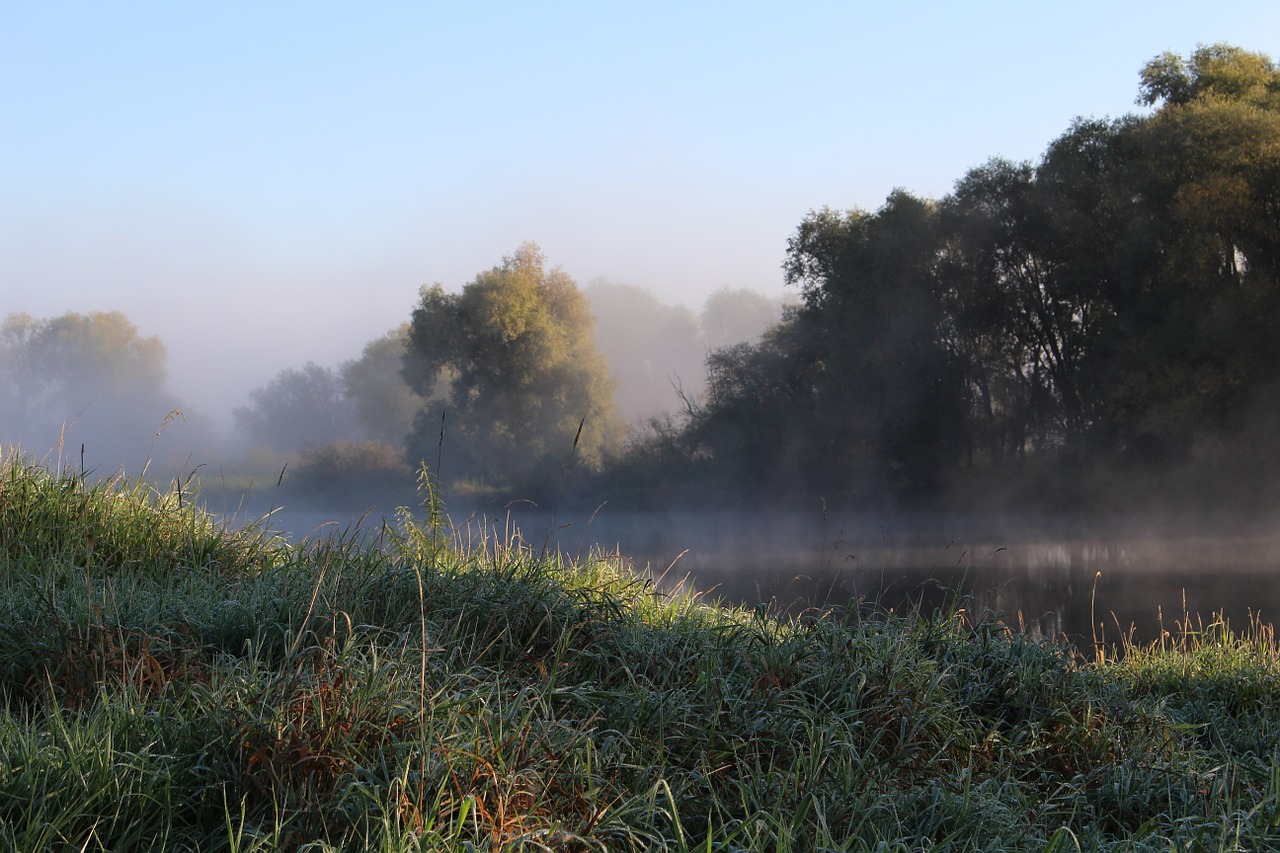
(658, 351)
(364, 399)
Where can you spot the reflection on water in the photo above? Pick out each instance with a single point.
(1084, 591)
(1055, 584)
(1084, 588)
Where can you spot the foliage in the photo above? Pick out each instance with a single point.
(526, 385)
(354, 475)
(736, 315)
(759, 408)
(339, 434)
(165, 684)
(298, 408)
(1217, 71)
(84, 378)
(385, 404)
(1111, 308)
(885, 390)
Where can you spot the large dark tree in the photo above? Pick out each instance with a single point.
(887, 398)
(1020, 322)
(1113, 309)
(1194, 254)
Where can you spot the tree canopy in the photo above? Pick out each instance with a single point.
(86, 378)
(385, 405)
(299, 408)
(515, 356)
(1114, 304)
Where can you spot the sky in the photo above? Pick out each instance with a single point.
(266, 184)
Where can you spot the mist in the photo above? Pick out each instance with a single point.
(657, 352)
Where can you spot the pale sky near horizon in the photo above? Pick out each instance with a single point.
(265, 184)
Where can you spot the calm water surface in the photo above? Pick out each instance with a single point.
(1082, 586)
(1083, 590)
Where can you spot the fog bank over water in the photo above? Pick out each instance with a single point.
(1104, 579)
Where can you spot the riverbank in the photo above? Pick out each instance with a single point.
(168, 684)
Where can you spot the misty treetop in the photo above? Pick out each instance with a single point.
(657, 352)
(511, 366)
(385, 405)
(364, 400)
(72, 357)
(83, 378)
(301, 407)
(650, 346)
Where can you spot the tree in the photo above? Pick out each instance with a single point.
(525, 383)
(756, 427)
(1217, 71)
(83, 378)
(1200, 336)
(385, 405)
(731, 316)
(888, 398)
(1021, 320)
(55, 367)
(299, 409)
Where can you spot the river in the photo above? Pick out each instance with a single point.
(1085, 583)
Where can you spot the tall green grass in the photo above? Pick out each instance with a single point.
(168, 684)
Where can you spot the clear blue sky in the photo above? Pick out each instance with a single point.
(263, 184)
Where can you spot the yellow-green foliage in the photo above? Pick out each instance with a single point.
(525, 381)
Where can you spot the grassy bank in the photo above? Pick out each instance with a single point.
(169, 685)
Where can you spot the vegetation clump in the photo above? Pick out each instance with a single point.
(166, 683)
